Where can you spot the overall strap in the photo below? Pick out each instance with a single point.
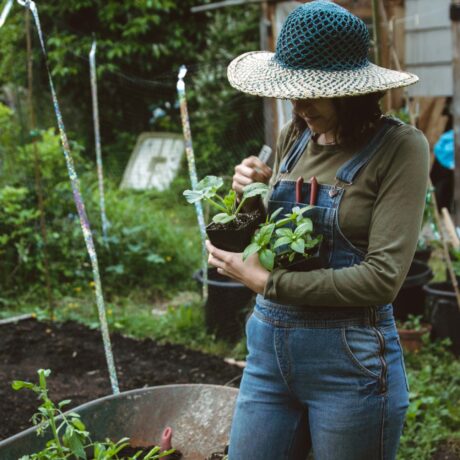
(348, 172)
(291, 159)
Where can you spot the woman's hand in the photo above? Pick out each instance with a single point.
(231, 264)
(250, 170)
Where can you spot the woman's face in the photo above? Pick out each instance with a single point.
(319, 114)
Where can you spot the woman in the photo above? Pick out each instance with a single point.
(325, 370)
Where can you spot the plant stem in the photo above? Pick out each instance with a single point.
(217, 205)
(240, 206)
(50, 411)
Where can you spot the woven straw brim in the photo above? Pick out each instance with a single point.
(259, 74)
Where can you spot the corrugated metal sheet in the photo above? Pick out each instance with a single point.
(429, 46)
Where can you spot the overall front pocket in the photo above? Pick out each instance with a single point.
(364, 349)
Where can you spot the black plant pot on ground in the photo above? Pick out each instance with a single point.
(443, 313)
(235, 235)
(423, 255)
(226, 306)
(411, 297)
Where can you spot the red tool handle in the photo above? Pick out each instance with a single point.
(298, 189)
(314, 190)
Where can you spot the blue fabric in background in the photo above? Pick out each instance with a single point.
(444, 150)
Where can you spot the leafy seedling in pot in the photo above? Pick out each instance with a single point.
(232, 228)
(207, 188)
(281, 242)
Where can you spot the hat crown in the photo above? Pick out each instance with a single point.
(321, 35)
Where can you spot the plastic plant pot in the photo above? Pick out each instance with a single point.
(231, 238)
(302, 264)
(443, 313)
(226, 305)
(199, 415)
(411, 340)
(423, 255)
(411, 297)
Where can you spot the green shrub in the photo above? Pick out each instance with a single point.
(434, 412)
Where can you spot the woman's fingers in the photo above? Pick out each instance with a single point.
(250, 170)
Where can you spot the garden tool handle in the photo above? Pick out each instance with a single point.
(298, 189)
(314, 190)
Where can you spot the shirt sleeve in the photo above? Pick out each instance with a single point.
(393, 233)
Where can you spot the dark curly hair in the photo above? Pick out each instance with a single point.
(356, 118)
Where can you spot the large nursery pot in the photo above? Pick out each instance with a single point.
(199, 415)
(443, 313)
(226, 305)
(423, 254)
(235, 235)
(411, 297)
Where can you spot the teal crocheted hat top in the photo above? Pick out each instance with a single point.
(322, 36)
(322, 51)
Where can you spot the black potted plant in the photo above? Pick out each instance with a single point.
(232, 228)
(288, 242)
(443, 313)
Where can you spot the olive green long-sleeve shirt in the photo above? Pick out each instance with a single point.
(380, 213)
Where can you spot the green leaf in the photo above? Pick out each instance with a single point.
(306, 227)
(282, 241)
(265, 233)
(285, 221)
(300, 211)
(267, 259)
(275, 214)
(230, 200)
(251, 249)
(285, 232)
(76, 446)
(192, 196)
(298, 246)
(19, 384)
(223, 218)
(255, 189)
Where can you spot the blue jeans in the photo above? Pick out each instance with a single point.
(337, 387)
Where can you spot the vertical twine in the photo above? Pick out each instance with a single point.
(192, 171)
(75, 184)
(97, 140)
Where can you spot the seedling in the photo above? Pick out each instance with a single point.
(70, 439)
(228, 205)
(413, 323)
(279, 241)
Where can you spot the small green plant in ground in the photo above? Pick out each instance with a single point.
(433, 416)
(282, 240)
(413, 323)
(70, 439)
(228, 205)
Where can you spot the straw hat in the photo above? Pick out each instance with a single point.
(322, 51)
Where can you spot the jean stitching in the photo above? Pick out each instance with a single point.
(355, 360)
(403, 365)
(382, 430)
(280, 366)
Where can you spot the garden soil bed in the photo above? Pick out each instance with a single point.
(75, 355)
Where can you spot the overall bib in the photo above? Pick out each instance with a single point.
(330, 379)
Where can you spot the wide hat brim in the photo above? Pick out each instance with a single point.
(259, 74)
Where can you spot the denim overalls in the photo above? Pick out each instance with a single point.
(330, 379)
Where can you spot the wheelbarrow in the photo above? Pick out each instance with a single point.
(198, 414)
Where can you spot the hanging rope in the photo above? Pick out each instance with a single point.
(80, 206)
(97, 140)
(192, 171)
